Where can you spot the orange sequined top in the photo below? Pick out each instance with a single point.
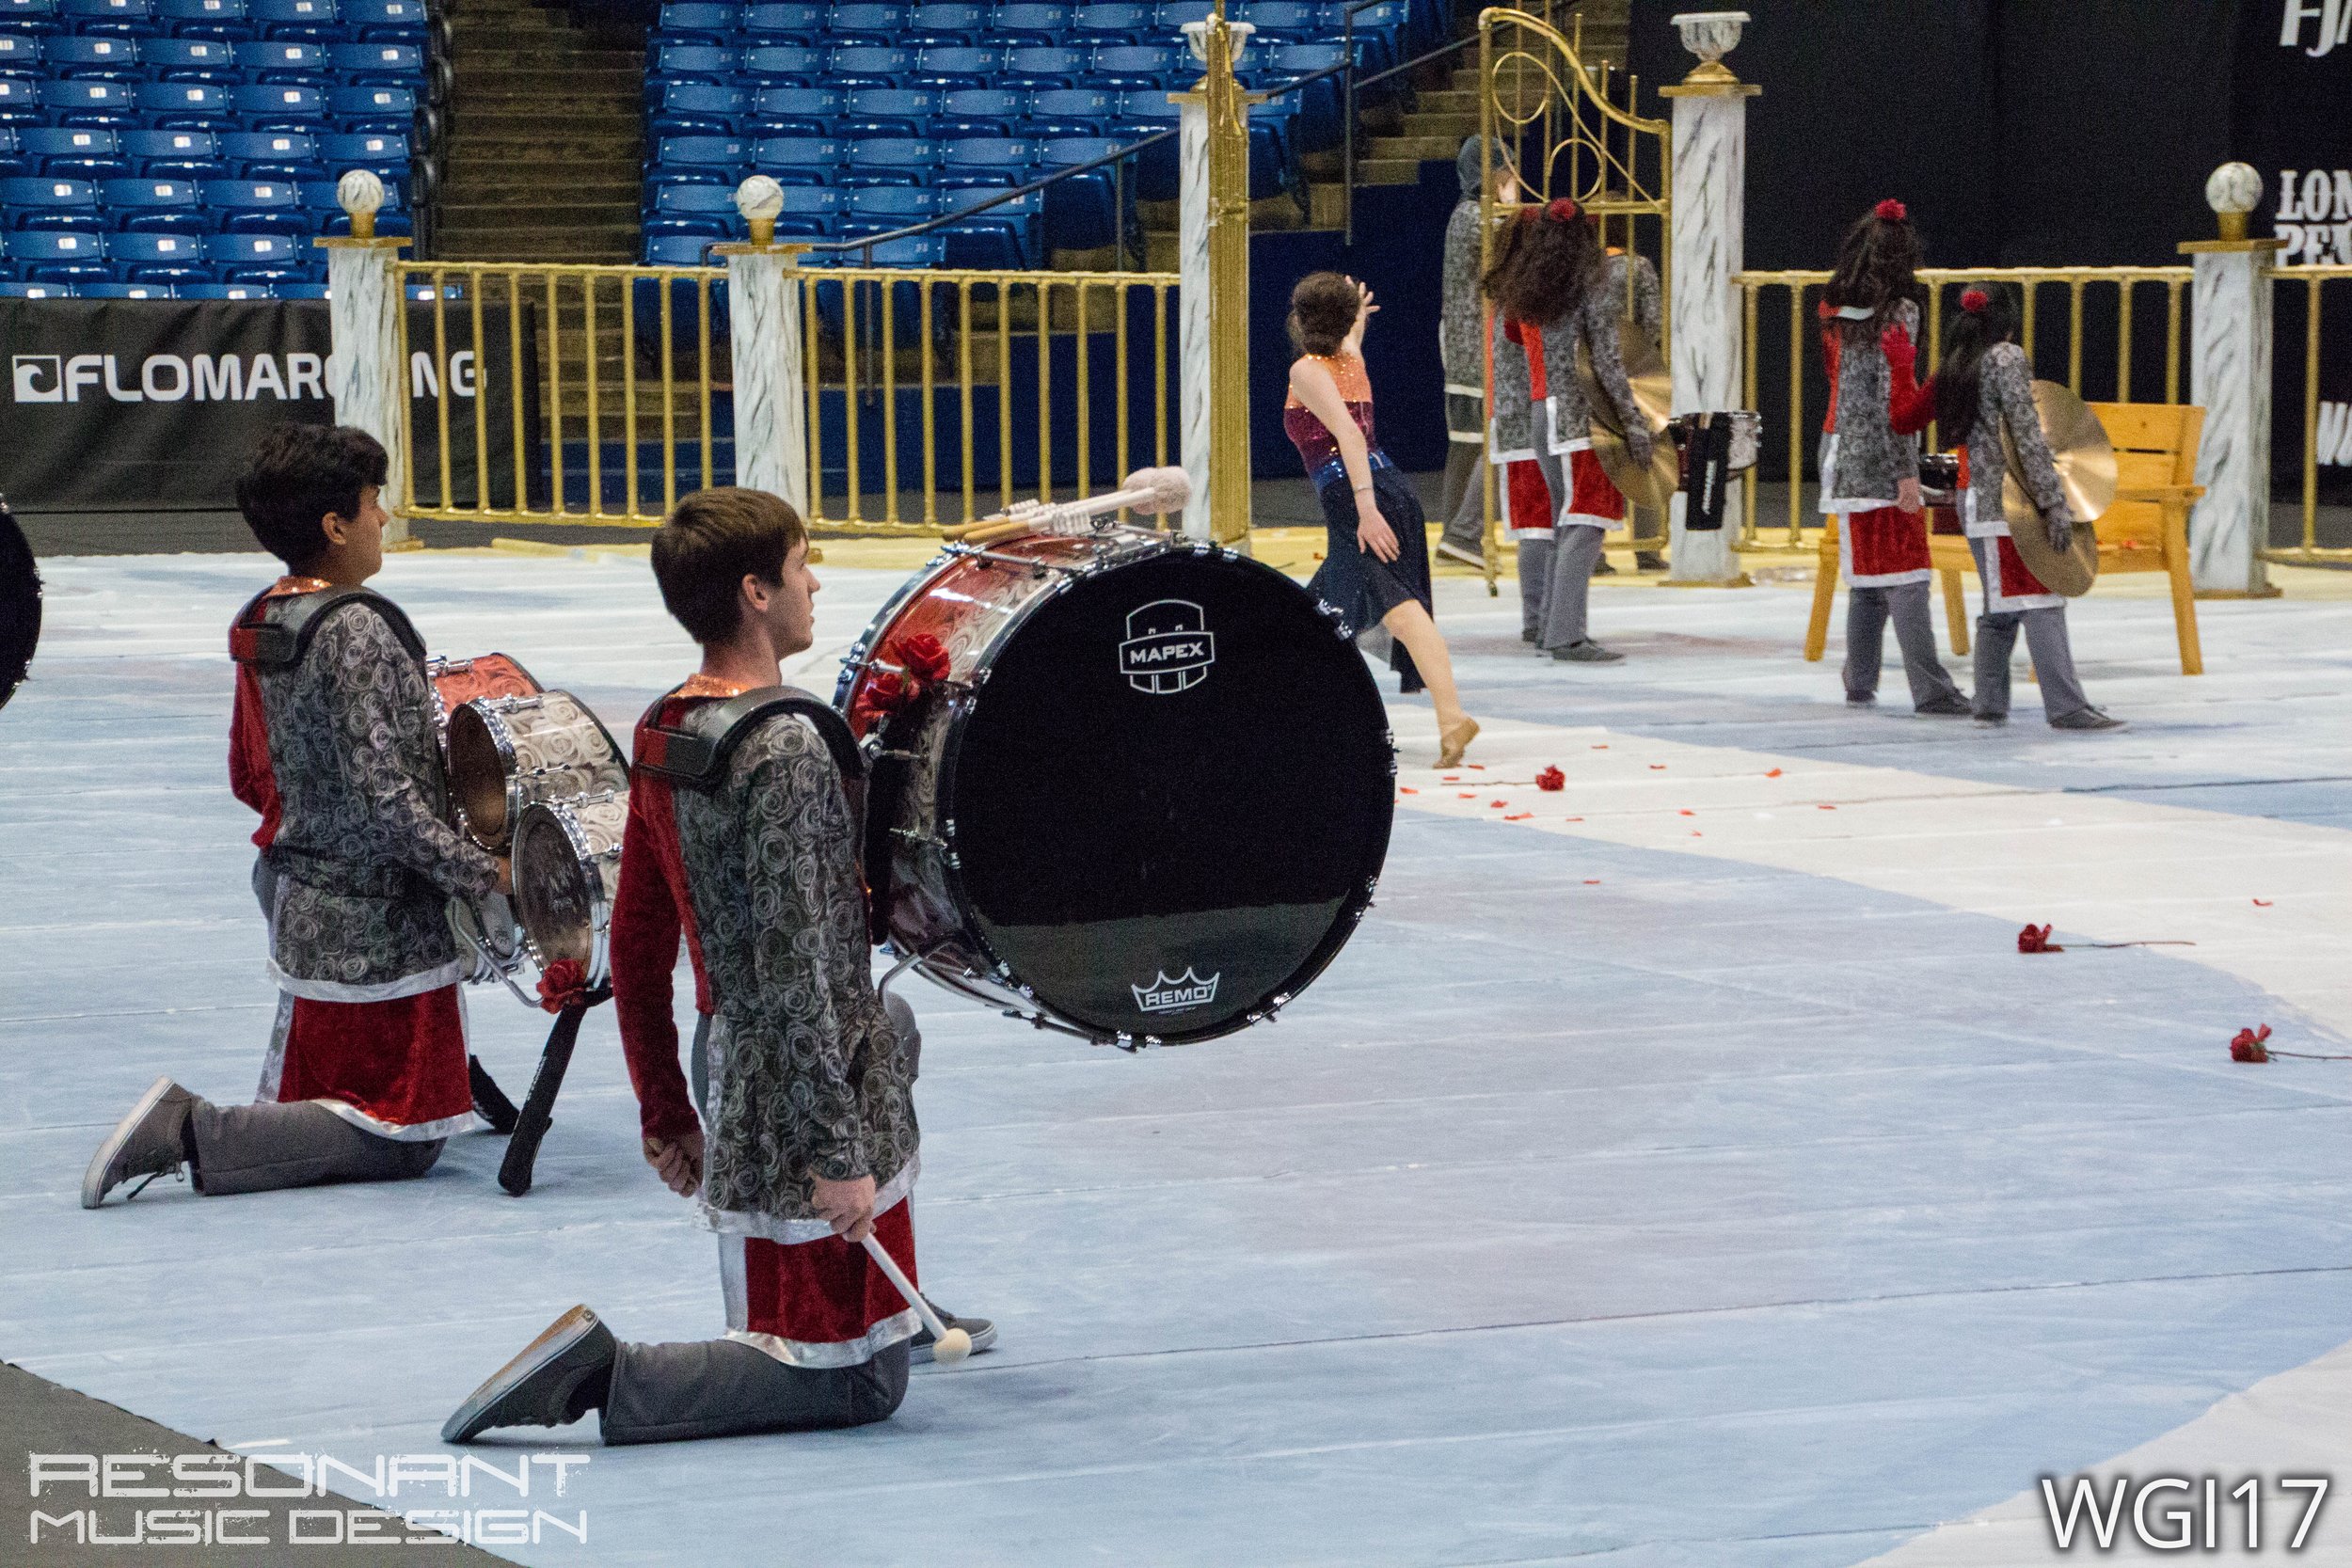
(1317, 447)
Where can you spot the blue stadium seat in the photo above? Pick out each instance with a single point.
(167, 259)
(20, 54)
(328, 217)
(1005, 236)
(13, 289)
(1041, 24)
(122, 291)
(30, 17)
(223, 291)
(175, 155)
(985, 160)
(1285, 20)
(389, 21)
(313, 20)
(676, 250)
(1321, 105)
(699, 20)
(372, 108)
(363, 150)
(946, 21)
(686, 61)
(1129, 67)
(100, 104)
(125, 18)
(859, 20)
(100, 59)
(810, 211)
(1071, 111)
(794, 111)
(699, 109)
(1035, 66)
(922, 250)
(1173, 14)
(283, 61)
(152, 205)
(73, 154)
(1081, 211)
(867, 65)
(800, 24)
(59, 257)
(308, 291)
(186, 106)
(958, 66)
(705, 211)
(259, 207)
(19, 102)
(888, 112)
(1379, 41)
(224, 20)
(273, 155)
(261, 258)
(799, 160)
(979, 112)
(786, 64)
(704, 160)
(878, 209)
(51, 205)
(382, 63)
(13, 161)
(190, 60)
(280, 106)
(1116, 22)
(891, 161)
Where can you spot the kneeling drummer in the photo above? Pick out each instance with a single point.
(806, 1141)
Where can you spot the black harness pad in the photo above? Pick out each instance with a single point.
(255, 639)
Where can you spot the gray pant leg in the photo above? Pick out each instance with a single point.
(723, 1388)
(1915, 633)
(260, 1148)
(2054, 662)
(1534, 583)
(1575, 551)
(1463, 502)
(1996, 637)
(1865, 639)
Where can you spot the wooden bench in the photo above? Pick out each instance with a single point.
(2145, 531)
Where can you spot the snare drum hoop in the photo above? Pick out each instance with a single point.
(1000, 974)
(600, 907)
(492, 712)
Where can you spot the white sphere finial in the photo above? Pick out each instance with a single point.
(2234, 188)
(759, 198)
(359, 192)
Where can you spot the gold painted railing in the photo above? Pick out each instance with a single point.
(2109, 290)
(599, 394)
(2311, 279)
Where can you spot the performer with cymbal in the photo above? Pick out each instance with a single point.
(1554, 302)
(1869, 461)
(806, 1147)
(1984, 387)
(333, 743)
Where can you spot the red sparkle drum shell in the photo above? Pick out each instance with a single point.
(1149, 799)
(456, 681)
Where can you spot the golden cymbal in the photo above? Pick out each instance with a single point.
(1653, 393)
(2085, 459)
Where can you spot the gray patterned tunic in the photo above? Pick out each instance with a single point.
(365, 862)
(806, 1076)
(1864, 461)
(2005, 397)
(1520, 421)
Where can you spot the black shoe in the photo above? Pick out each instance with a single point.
(2085, 719)
(1953, 706)
(1587, 652)
(560, 1376)
(146, 1142)
(983, 1334)
(1862, 699)
(1992, 718)
(1528, 634)
(1604, 567)
(1648, 560)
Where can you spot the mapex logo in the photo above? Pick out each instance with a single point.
(1169, 647)
(2335, 26)
(1188, 991)
(169, 378)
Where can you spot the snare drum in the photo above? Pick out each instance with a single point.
(458, 681)
(567, 873)
(505, 753)
(489, 940)
(1149, 799)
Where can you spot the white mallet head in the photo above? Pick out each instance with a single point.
(1172, 489)
(952, 1347)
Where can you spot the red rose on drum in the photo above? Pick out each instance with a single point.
(923, 656)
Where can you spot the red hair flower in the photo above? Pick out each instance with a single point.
(1551, 779)
(923, 656)
(1561, 209)
(1974, 300)
(2036, 938)
(1891, 211)
(563, 983)
(2247, 1046)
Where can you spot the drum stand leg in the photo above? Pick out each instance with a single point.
(537, 1114)
(490, 1101)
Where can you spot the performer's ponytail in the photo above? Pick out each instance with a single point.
(1544, 267)
(1878, 264)
(1988, 315)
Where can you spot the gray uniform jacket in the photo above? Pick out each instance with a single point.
(1519, 422)
(1862, 459)
(807, 1077)
(1460, 306)
(2005, 396)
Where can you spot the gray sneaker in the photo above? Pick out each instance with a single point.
(2085, 719)
(1467, 557)
(1992, 718)
(1528, 634)
(1953, 706)
(1587, 652)
(983, 1334)
(558, 1377)
(146, 1143)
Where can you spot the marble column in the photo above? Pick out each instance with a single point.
(770, 393)
(364, 376)
(2229, 375)
(1194, 306)
(1705, 354)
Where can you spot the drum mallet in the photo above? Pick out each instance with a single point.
(1152, 491)
(948, 1345)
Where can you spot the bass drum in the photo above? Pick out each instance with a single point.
(20, 605)
(1148, 803)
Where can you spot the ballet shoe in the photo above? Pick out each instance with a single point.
(1453, 742)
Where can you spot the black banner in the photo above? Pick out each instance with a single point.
(151, 406)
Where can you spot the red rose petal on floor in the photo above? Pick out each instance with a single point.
(2262, 903)
(1824, 808)
(1406, 789)
(1775, 773)
(1466, 795)
(1601, 748)
(1449, 778)
(1696, 833)
(1688, 812)
(1478, 766)
(1576, 819)
(1518, 816)
(1498, 804)
(1591, 881)
(1658, 767)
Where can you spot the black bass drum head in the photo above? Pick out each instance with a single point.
(20, 605)
(1172, 796)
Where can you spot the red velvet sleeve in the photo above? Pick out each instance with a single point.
(1910, 406)
(249, 776)
(645, 948)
